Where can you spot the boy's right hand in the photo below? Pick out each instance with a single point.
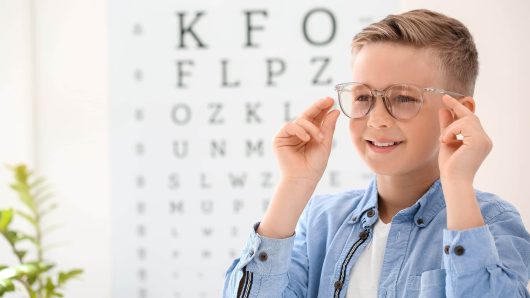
(302, 154)
(302, 157)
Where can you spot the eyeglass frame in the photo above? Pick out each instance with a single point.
(376, 93)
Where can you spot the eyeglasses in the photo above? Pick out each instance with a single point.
(402, 101)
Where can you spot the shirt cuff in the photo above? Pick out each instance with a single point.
(269, 256)
(469, 250)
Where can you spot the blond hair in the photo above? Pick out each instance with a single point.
(447, 37)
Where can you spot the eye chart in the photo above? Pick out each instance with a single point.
(198, 91)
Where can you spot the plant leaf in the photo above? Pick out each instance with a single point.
(6, 285)
(43, 267)
(22, 187)
(28, 217)
(65, 276)
(26, 269)
(14, 236)
(38, 182)
(21, 173)
(47, 210)
(49, 287)
(21, 254)
(24, 195)
(32, 279)
(6, 216)
(11, 237)
(8, 273)
(45, 198)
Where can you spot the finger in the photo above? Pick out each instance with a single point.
(311, 128)
(459, 109)
(293, 129)
(449, 134)
(320, 117)
(316, 108)
(328, 125)
(288, 141)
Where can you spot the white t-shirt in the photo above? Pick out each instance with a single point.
(364, 278)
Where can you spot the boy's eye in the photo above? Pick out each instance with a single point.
(405, 99)
(362, 98)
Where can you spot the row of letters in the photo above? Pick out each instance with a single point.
(241, 180)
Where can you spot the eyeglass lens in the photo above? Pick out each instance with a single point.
(403, 101)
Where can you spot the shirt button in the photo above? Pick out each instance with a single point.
(446, 249)
(459, 250)
(363, 234)
(338, 285)
(419, 221)
(263, 256)
(370, 213)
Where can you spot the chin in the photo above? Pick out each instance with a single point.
(386, 168)
(385, 165)
(401, 167)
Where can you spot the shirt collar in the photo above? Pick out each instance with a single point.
(367, 202)
(422, 212)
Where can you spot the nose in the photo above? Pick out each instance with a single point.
(379, 116)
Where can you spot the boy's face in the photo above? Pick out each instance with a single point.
(380, 65)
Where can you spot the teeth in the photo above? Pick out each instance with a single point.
(385, 144)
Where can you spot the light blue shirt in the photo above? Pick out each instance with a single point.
(422, 257)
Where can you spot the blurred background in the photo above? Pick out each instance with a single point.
(152, 120)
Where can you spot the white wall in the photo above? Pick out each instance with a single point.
(16, 93)
(69, 131)
(57, 124)
(72, 129)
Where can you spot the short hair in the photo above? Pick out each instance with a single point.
(447, 37)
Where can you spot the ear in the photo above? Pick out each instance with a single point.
(468, 102)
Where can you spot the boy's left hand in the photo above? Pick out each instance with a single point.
(459, 160)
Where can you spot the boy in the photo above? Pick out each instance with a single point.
(419, 229)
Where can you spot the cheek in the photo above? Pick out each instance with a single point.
(356, 133)
(425, 137)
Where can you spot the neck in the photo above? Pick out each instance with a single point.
(397, 192)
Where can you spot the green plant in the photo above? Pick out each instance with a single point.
(33, 272)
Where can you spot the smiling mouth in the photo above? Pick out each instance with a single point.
(385, 144)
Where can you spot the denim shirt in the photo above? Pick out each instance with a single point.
(422, 258)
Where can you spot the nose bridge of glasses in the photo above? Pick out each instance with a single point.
(377, 93)
(386, 110)
(384, 99)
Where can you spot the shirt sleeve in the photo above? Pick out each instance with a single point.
(488, 261)
(269, 267)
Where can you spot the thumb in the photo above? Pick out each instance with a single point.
(328, 125)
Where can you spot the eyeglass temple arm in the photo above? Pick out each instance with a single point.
(442, 91)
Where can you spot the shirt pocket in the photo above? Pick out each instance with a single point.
(429, 284)
(432, 284)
